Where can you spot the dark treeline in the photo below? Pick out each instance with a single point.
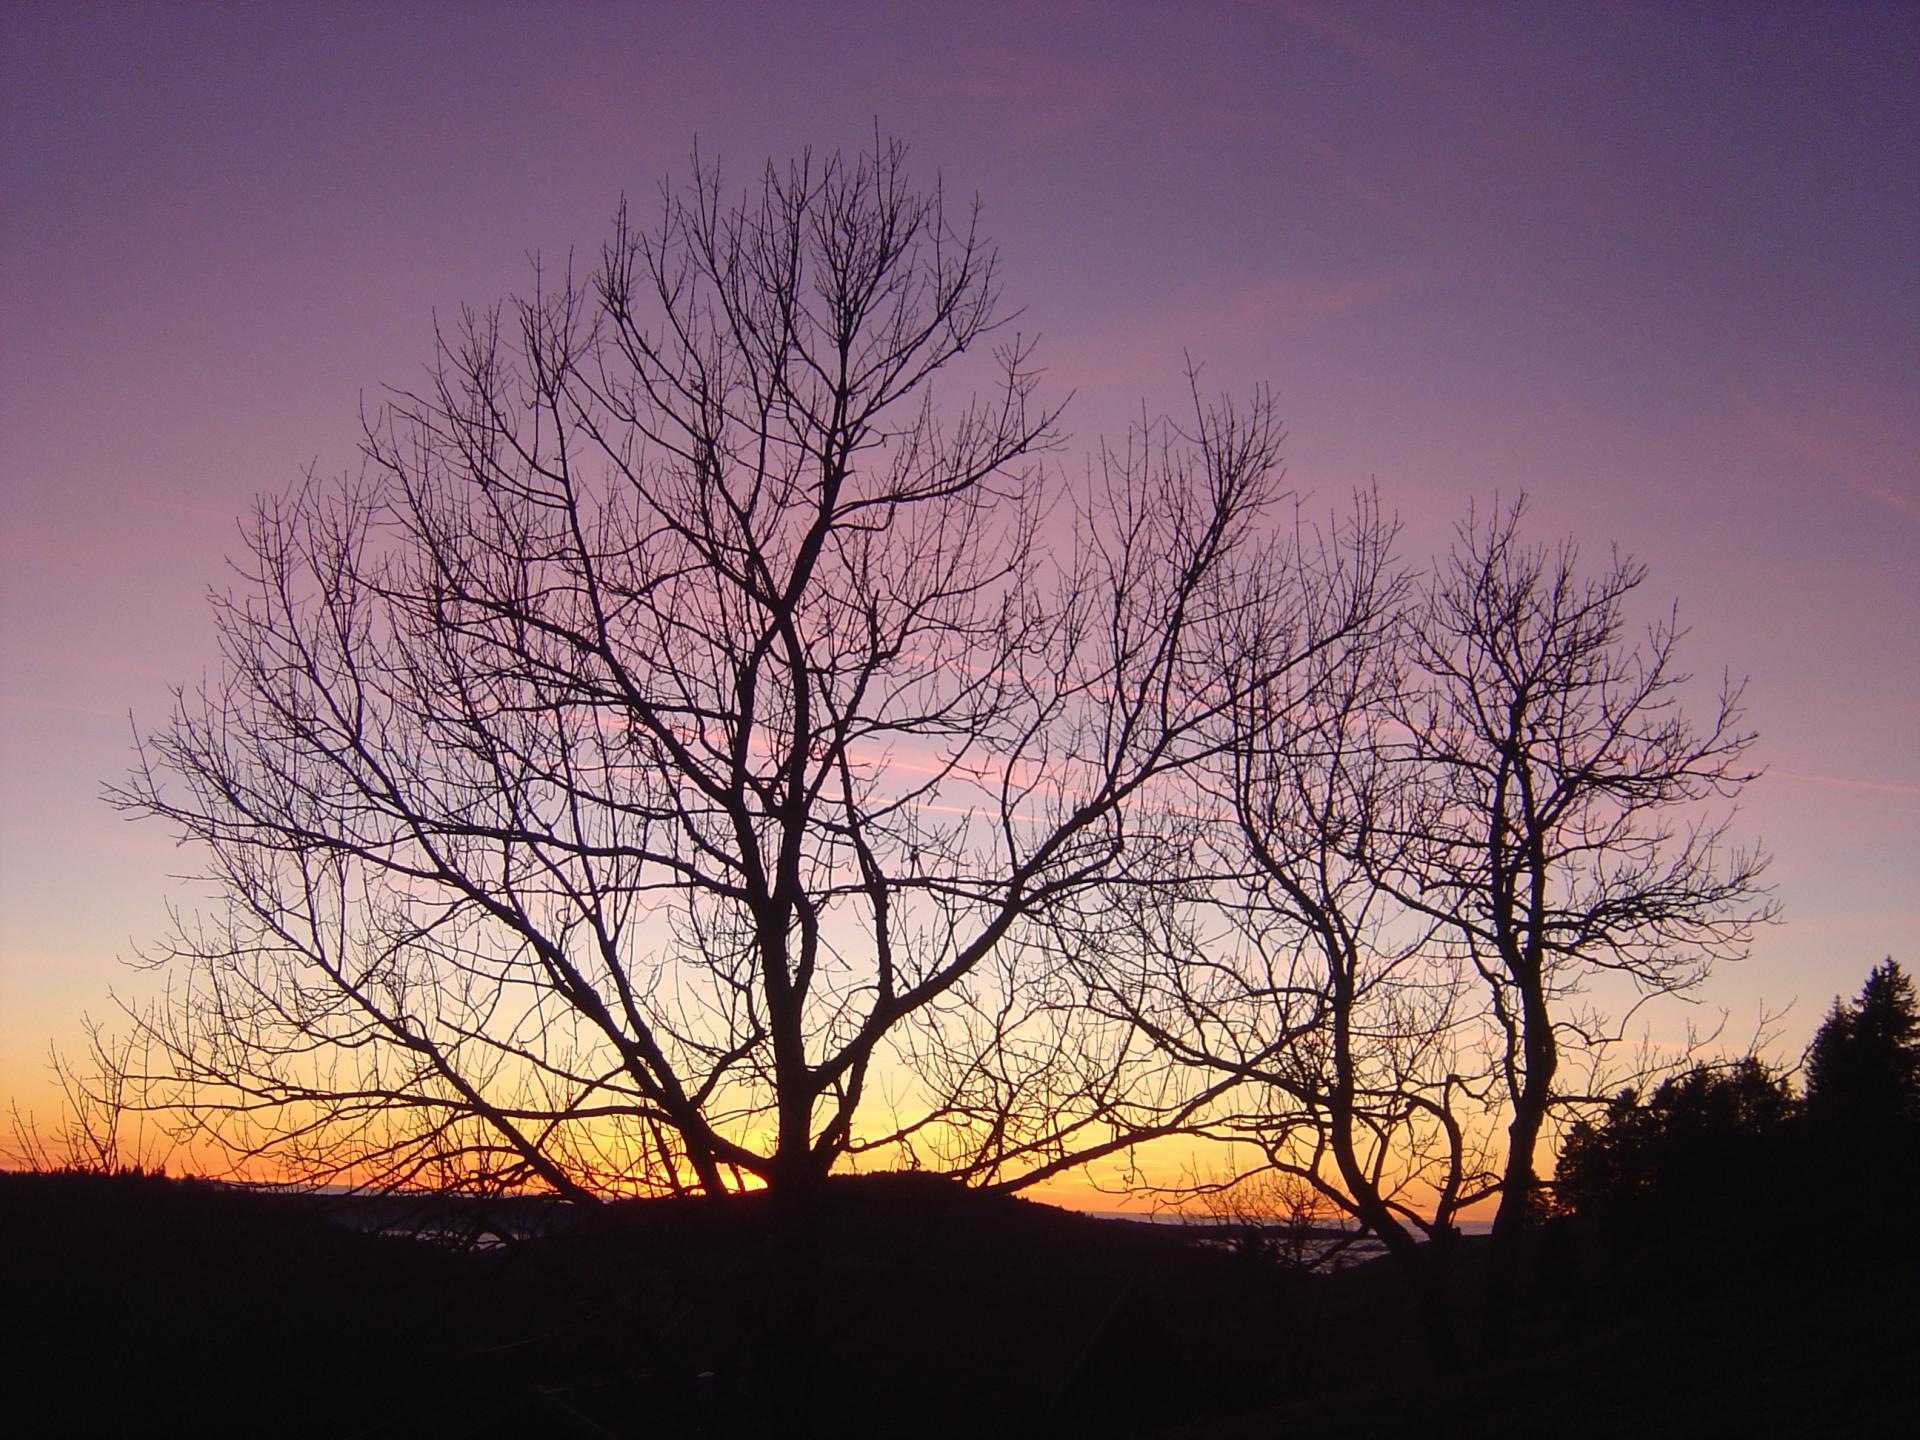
(1726, 1149)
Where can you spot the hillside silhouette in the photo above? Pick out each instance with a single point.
(177, 1303)
(144, 1305)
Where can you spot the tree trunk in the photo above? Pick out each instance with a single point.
(1519, 1184)
(791, 1348)
(1424, 1266)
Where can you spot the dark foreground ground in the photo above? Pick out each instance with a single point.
(140, 1306)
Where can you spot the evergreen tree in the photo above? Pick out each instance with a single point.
(1702, 1147)
(1863, 1068)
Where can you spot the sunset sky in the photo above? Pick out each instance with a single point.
(1656, 265)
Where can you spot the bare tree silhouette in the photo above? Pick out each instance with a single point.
(684, 719)
(103, 1127)
(1341, 1036)
(1578, 816)
(1440, 833)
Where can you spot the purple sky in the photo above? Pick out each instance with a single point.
(1657, 265)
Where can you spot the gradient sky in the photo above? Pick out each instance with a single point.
(1657, 265)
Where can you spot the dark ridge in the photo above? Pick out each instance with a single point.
(185, 1305)
(141, 1306)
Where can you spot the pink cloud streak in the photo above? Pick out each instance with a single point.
(1878, 787)
(1844, 458)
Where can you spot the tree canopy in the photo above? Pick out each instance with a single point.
(1863, 1067)
(1703, 1143)
(1720, 1141)
(692, 715)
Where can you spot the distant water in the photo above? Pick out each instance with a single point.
(471, 1222)
(1333, 1246)
(1170, 1217)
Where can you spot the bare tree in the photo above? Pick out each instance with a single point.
(684, 728)
(1579, 818)
(104, 1128)
(1273, 1221)
(1335, 1037)
(1443, 834)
